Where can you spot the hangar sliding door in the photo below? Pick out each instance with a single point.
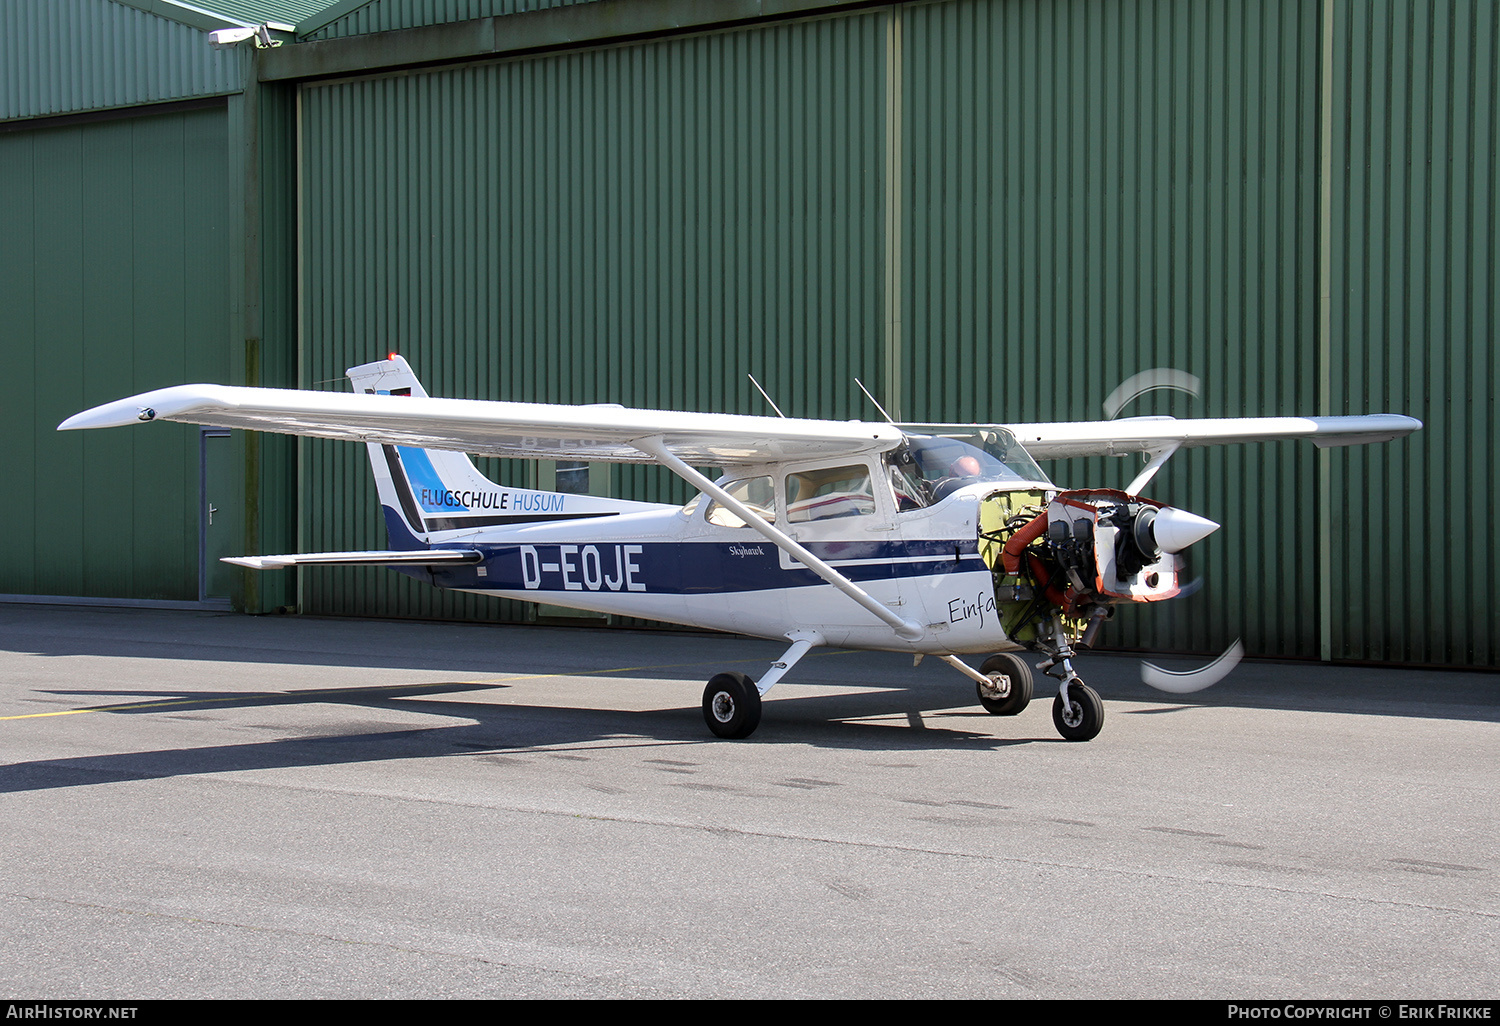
(114, 277)
(641, 224)
(1278, 208)
(1414, 289)
(983, 210)
(986, 209)
(1097, 190)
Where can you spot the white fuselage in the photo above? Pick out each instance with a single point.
(673, 564)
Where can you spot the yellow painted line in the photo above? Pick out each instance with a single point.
(315, 695)
(169, 702)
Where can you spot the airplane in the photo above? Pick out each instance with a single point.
(926, 539)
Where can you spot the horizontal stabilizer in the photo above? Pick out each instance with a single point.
(417, 557)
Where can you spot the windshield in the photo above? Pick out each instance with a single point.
(936, 465)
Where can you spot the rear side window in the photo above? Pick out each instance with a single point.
(759, 493)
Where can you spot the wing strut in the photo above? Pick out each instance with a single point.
(905, 629)
(1158, 457)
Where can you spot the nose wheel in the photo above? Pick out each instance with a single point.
(1081, 717)
(731, 705)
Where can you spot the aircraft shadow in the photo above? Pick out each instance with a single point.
(130, 633)
(494, 730)
(892, 717)
(493, 650)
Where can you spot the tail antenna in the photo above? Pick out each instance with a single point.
(888, 418)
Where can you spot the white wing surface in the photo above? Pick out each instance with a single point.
(608, 433)
(531, 430)
(1156, 434)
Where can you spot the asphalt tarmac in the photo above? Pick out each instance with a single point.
(200, 805)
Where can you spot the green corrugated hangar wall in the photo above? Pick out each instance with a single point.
(985, 210)
(118, 244)
(992, 210)
(115, 268)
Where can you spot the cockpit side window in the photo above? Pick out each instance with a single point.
(906, 482)
(829, 493)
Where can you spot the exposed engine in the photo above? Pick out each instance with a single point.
(1076, 554)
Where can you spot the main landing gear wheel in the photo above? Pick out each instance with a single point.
(1083, 717)
(731, 705)
(1011, 685)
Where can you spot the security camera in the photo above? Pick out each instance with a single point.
(223, 39)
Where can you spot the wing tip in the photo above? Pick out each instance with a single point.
(1367, 429)
(160, 404)
(108, 415)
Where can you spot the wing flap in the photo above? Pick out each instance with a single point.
(527, 430)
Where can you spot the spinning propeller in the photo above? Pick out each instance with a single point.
(1174, 531)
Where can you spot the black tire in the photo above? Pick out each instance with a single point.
(1019, 672)
(1088, 711)
(731, 705)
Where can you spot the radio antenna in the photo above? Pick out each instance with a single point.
(767, 395)
(888, 418)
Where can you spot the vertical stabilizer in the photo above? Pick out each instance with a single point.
(404, 525)
(426, 492)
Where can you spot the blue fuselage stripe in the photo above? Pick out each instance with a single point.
(694, 568)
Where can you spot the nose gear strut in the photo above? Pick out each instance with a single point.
(1077, 711)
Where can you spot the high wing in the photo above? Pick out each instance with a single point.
(529, 430)
(608, 433)
(534, 430)
(391, 412)
(1161, 437)
(1158, 434)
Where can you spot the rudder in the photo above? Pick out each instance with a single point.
(426, 492)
